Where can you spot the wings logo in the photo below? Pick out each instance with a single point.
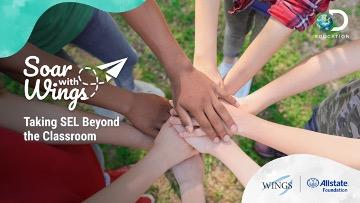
(113, 69)
(281, 184)
(65, 87)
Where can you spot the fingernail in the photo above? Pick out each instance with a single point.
(227, 138)
(237, 103)
(233, 128)
(216, 140)
(189, 129)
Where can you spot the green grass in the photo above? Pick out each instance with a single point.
(293, 111)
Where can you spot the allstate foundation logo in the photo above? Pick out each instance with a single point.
(59, 85)
(328, 185)
(282, 184)
(312, 182)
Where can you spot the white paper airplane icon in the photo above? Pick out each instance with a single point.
(113, 68)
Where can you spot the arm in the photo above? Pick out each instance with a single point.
(236, 160)
(189, 175)
(228, 153)
(286, 16)
(206, 24)
(319, 69)
(123, 135)
(135, 106)
(268, 41)
(169, 150)
(148, 21)
(292, 140)
(201, 102)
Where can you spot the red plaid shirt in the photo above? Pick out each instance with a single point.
(294, 14)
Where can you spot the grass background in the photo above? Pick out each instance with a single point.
(221, 185)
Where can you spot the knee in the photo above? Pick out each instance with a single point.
(132, 58)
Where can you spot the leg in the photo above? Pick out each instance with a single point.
(62, 54)
(259, 22)
(339, 114)
(103, 39)
(236, 28)
(256, 22)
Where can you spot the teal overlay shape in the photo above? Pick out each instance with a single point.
(18, 18)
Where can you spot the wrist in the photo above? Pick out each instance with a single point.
(177, 67)
(190, 185)
(127, 102)
(113, 98)
(169, 157)
(204, 60)
(246, 123)
(252, 104)
(257, 102)
(219, 149)
(224, 150)
(157, 154)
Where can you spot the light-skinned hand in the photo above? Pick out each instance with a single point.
(173, 148)
(201, 143)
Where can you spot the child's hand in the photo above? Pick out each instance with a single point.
(214, 75)
(148, 113)
(201, 143)
(240, 116)
(189, 173)
(173, 148)
(196, 95)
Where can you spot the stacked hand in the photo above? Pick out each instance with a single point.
(177, 145)
(148, 113)
(196, 94)
(167, 141)
(197, 138)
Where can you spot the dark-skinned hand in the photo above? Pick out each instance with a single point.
(195, 95)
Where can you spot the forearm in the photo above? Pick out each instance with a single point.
(108, 96)
(268, 41)
(206, 24)
(150, 24)
(133, 183)
(189, 175)
(292, 140)
(168, 150)
(194, 194)
(329, 65)
(123, 135)
(237, 161)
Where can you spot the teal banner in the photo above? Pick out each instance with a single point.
(18, 18)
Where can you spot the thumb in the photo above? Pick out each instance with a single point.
(171, 102)
(185, 118)
(222, 94)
